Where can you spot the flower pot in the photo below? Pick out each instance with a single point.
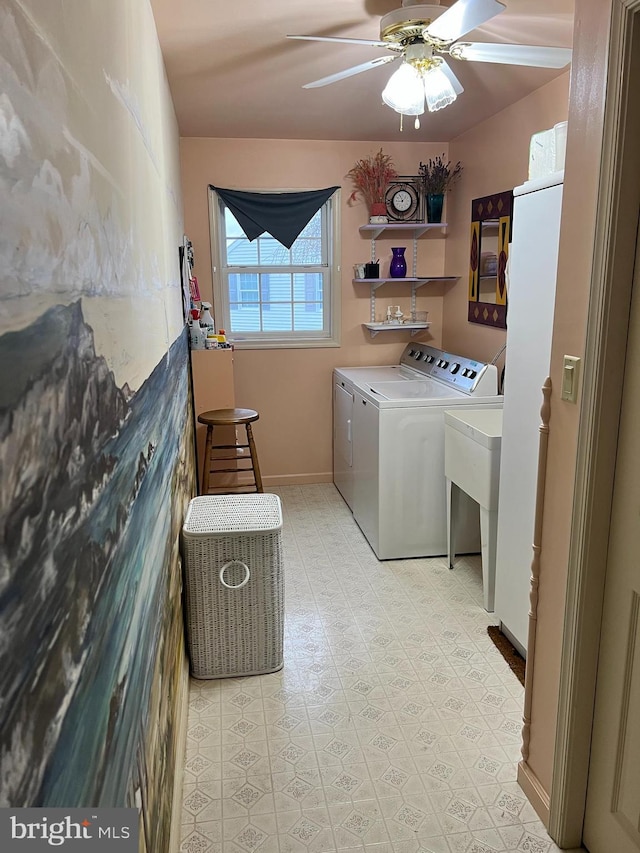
(434, 207)
(378, 213)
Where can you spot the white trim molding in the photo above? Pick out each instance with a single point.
(607, 324)
(526, 777)
(543, 447)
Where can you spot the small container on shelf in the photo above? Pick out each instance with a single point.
(394, 317)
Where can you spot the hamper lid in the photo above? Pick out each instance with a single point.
(233, 514)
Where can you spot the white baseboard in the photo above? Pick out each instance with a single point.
(534, 792)
(296, 479)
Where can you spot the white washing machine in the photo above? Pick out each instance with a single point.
(388, 448)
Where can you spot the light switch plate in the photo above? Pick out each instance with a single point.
(570, 378)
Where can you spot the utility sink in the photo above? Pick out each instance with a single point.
(472, 440)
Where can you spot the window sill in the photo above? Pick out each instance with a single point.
(312, 343)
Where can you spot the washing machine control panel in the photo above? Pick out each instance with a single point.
(465, 374)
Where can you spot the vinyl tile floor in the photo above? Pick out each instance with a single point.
(394, 726)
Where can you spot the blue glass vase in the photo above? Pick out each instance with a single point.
(434, 207)
(398, 265)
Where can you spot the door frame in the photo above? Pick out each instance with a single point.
(605, 347)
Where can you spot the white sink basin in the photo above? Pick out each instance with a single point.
(481, 425)
(472, 440)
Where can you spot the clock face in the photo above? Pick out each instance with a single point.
(402, 201)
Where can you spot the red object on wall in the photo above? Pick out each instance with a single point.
(194, 290)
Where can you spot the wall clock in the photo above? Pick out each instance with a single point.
(402, 200)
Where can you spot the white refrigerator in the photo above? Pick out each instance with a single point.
(533, 261)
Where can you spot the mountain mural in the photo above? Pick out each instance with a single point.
(91, 638)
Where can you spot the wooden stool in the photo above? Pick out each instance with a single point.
(229, 418)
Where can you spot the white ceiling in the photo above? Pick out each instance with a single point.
(233, 73)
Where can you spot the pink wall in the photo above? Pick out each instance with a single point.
(295, 442)
(291, 388)
(579, 213)
(495, 155)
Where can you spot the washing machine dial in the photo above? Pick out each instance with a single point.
(417, 355)
(455, 367)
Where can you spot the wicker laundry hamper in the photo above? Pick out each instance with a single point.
(234, 584)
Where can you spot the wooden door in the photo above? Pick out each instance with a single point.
(612, 820)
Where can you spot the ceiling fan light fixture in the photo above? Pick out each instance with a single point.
(404, 92)
(438, 90)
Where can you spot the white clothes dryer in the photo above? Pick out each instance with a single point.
(388, 447)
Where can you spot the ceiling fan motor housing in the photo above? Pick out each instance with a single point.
(405, 25)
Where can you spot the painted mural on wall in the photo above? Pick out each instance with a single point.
(95, 436)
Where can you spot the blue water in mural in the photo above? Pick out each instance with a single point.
(87, 608)
(123, 632)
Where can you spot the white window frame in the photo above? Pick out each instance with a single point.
(329, 336)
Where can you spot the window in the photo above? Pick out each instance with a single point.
(269, 296)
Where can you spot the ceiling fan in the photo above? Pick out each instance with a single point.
(421, 35)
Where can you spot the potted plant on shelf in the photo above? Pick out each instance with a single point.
(371, 177)
(436, 178)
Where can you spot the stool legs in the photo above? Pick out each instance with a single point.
(206, 462)
(254, 458)
(208, 471)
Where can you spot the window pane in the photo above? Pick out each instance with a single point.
(276, 287)
(231, 225)
(244, 318)
(273, 253)
(248, 288)
(307, 287)
(240, 252)
(243, 287)
(308, 316)
(307, 251)
(277, 318)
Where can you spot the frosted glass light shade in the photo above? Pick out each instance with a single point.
(438, 90)
(404, 92)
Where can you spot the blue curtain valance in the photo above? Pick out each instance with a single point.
(283, 215)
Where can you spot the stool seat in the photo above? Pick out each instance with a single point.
(228, 417)
(215, 453)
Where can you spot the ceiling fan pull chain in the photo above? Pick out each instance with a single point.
(416, 124)
(401, 117)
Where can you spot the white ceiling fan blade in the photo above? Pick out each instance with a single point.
(369, 42)
(458, 88)
(462, 17)
(349, 72)
(513, 54)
